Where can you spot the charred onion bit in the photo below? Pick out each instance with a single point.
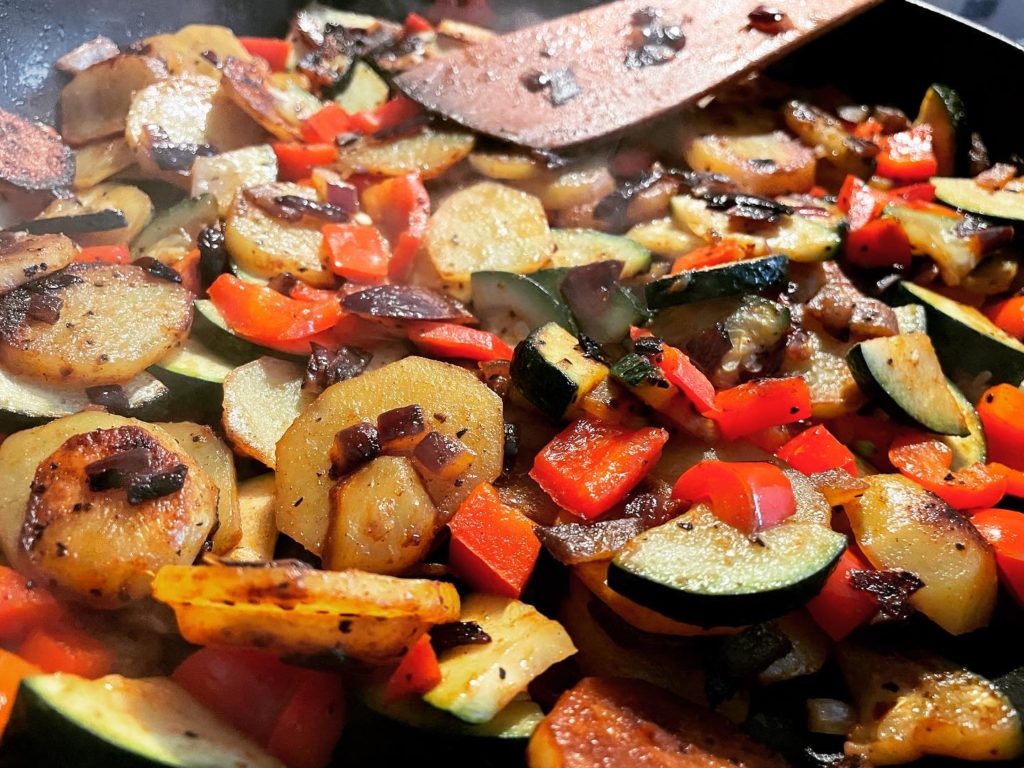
(97, 221)
(443, 456)
(352, 447)
(158, 269)
(892, 590)
(110, 396)
(561, 84)
(169, 156)
(213, 255)
(306, 207)
(771, 21)
(32, 155)
(44, 307)
(444, 637)
(37, 300)
(400, 429)
(652, 40)
(137, 470)
(511, 447)
(327, 367)
(406, 302)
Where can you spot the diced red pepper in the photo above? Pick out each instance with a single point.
(458, 341)
(908, 156)
(311, 723)
(493, 546)
(753, 406)
(272, 50)
(13, 669)
(357, 252)
(296, 161)
(263, 315)
(188, 267)
(1014, 479)
(681, 372)
(417, 672)
(923, 192)
(24, 606)
(395, 112)
(415, 23)
(327, 124)
(1001, 410)
(870, 130)
(750, 496)
(66, 649)
(105, 254)
(401, 208)
(928, 462)
(1004, 530)
(817, 450)
(877, 244)
(591, 466)
(860, 202)
(1009, 315)
(839, 608)
(709, 256)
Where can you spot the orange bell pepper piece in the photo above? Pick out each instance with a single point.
(878, 244)
(709, 256)
(908, 156)
(1004, 530)
(13, 669)
(817, 450)
(417, 672)
(928, 461)
(327, 124)
(839, 608)
(357, 252)
(1009, 315)
(311, 722)
(681, 372)
(401, 208)
(756, 405)
(67, 649)
(272, 50)
(105, 254)
(1001, 410)
(296, 161)
(748, 495)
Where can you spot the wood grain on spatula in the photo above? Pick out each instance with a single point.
(575, 78)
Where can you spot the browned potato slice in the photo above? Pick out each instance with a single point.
(507, 166)
(261, 400)
(116, 321)
(186, 51)
(188, 109)
(901, 526)
(248, 85)
(488, 226)
(745, 146)
(95, 544)
(256, 519)
(100, 160)
(223, 175)
(382, 519)
(294, 609)
(617, 721)
(32, 155)
(430, 153)
(95, 103)
(912, 707)
(578, 185)
(213, 455)
(131, 201)
(821, 362)
(265, 246)
(665, 238)
(26, 257)
(453, 398)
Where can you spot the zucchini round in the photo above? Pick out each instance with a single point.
(968, 195)
(734, 279)
(943, 109)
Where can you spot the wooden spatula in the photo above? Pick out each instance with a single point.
(599, 72)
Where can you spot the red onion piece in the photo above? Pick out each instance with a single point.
(401, 429)
(443, 456)
(406, 302)
(352, 447)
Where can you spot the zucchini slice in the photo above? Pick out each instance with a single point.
(178, 225)
(701, 571)
(195, 376)
(604, 309)
(576, 247)
(903, 375)
(938, 237)
(965, 339)
(968, 195)
(972, 448)
(116, 721)
(735, 279)
(512, 305)
(551, 371)
(943, 109)
(193, 360)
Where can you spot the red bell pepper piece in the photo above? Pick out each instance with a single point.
(879, 243)
(493, 547)
(1009, 315)
(923, 192)
(272, 50)
(1004, 530)
(839, 608)
(908, 156)
(67, 649)
(753, 406)
(401, 208)
(13, 669)
(1001, 410)
(327, 124)
(591, 466)
(681, 372)
(415, 23)
(395, 112)
(748, 495)
(1014, 479)
(867, 436)
(458, 341)
(928, 461)
(817, 450)
(311, 723)
(296, 161)
(24, 605)
(263, 315)
(105, 254)
(710, 256)
(417, 672)
(357, 252)
(870, 130)
(860, 202)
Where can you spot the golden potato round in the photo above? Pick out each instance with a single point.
(131, 201)
(115, 321)
(25, 257)
(429, 153)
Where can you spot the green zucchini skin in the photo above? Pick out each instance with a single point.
(943, 109)
(967, 195)
(503, 298)
(190, 215)
(973, 447)
(575, 247)
(736, 279)
(209, 328)
(967, 342)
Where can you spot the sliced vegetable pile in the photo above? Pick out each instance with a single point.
(329, 423)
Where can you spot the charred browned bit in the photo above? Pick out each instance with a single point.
(892, 590)
(401, 429)
(652, 40)
(769, 20)
(158, 269)
(444, 637)
(406, 302)
(327, 367)
(511, 447)
(352, 447)
(45, 307)
(213, 255)
(560, 84)
(170, 156)
(443, 456)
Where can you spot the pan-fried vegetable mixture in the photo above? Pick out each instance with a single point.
(330, 428)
